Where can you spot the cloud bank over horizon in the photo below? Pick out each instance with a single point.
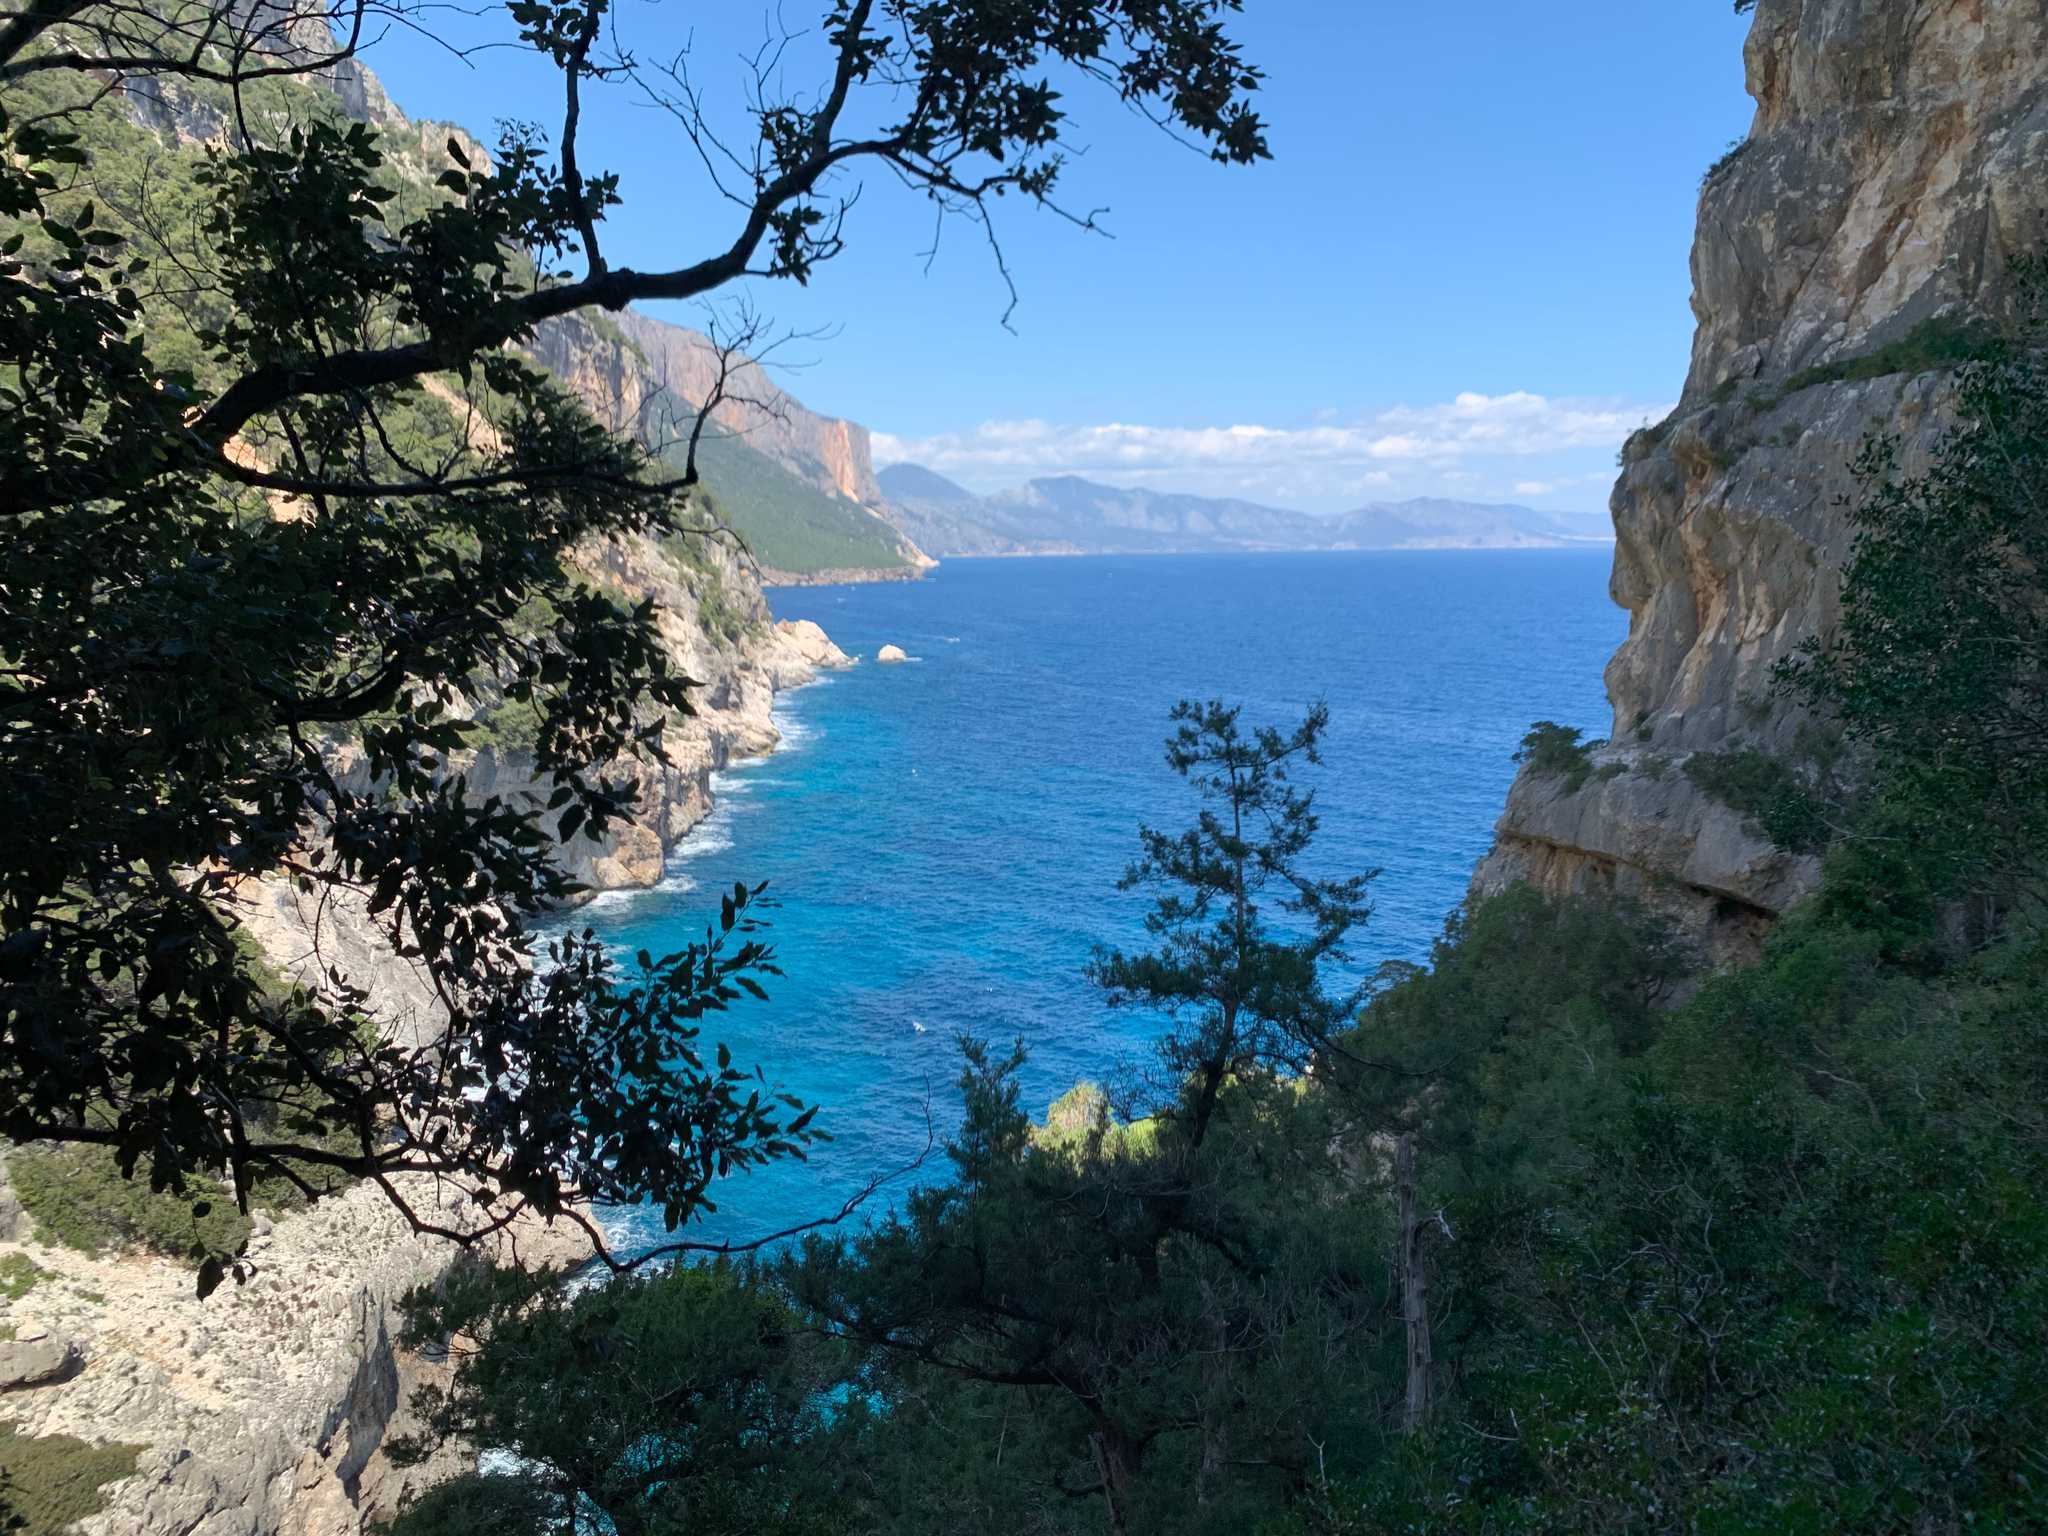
(1520, 445)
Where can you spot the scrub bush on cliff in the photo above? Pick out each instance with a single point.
(690, 1399)
(1789, 1277)
(1939, 666)
(215, 572)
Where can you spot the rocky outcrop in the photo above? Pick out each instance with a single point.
(264, 1410)
(1846, 252)
(740, 669)
(35, 1357)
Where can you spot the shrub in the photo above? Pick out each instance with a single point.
(77, 1197)
(720, 616)
(1555, 749)
(1639, 443)
(1768, 791)
(1727, 158)
(479, 1504)
(18, 1276)
(48, 1483)
(1937, 342)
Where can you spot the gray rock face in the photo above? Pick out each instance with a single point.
(35, 1357)
(1897, 163)
(263, 1410)
(741, 676)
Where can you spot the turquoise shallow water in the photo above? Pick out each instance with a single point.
(945, 836)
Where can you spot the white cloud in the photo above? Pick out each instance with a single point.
(1416, 445)
(1533, 487)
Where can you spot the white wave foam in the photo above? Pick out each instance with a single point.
(796, 732)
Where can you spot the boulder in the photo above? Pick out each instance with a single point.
(891, 653)
(810, 644)
(37, 1359)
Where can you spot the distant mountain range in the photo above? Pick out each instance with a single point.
(801, 489)
(1068, 515)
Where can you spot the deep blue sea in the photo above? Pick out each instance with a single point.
(945, 836)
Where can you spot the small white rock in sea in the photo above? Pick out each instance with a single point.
(891, 653)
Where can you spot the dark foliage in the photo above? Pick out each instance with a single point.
(243, 532)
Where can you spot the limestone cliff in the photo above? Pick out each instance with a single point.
(656, 357)
(261, 1411)
(1845, 251)
(646, 378)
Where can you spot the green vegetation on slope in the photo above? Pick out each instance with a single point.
(788, 523)
(48, 1483)
(1557, 750)
(18, 1276)
(78, 1196)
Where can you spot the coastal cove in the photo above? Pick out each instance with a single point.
(944, 837)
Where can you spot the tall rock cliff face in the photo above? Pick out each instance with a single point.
(1898, 162)
(644, 377)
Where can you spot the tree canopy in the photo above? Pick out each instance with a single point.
(278, 490)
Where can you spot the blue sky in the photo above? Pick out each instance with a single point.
(1463, 273)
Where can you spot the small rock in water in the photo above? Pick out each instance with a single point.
(891, 653)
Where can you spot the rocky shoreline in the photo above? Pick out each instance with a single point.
(850, 576)
(734, 724)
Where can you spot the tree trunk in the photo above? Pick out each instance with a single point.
(1215, 1434)
(1116, 1479)
(1414, 1290)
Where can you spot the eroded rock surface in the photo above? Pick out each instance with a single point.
(264, 1410)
